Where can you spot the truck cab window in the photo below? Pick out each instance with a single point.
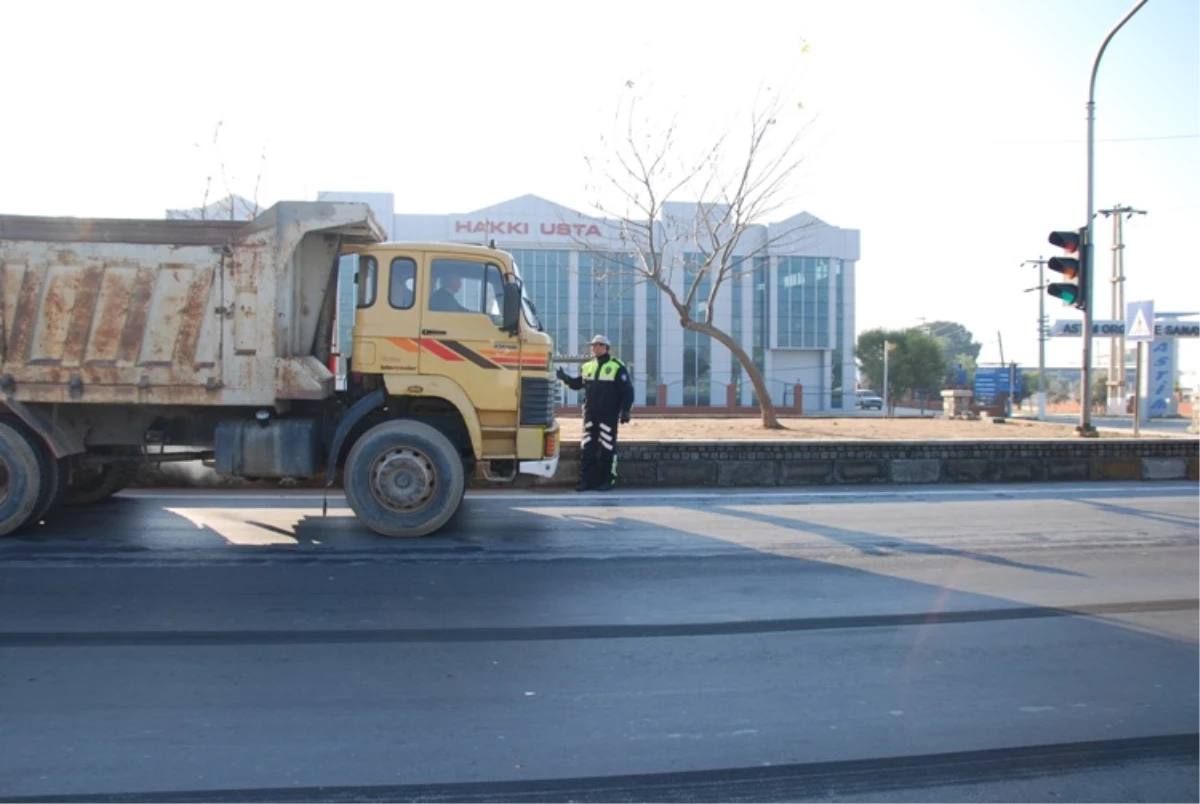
(402, 283)
(463, 286)
(449, 288)
(367, 280)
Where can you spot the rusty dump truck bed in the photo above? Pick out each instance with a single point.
(173, 312)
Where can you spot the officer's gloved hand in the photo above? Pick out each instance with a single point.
(625, 417)
(562, 375)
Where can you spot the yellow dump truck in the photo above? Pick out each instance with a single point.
(123, 341)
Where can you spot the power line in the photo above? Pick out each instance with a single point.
(1101, 139)
(1147, 139)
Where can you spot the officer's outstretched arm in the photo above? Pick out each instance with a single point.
(574, 383)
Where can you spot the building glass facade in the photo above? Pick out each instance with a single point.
(547, 277)
(650, 371)
(736, 282)
(697, 348)
(760, 323)
(606, 301)
(839, 345)
(802, 293)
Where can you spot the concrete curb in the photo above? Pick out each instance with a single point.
(1152, 433)
(699, 464)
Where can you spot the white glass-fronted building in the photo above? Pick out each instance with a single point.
(791, 306)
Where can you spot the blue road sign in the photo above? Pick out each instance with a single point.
(993, 380)
(1139, 322)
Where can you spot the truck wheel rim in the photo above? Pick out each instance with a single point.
(5, 485)
(403, 480)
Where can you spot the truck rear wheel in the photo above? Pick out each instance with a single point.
(55, 473)
(404, 478)
(25, 478)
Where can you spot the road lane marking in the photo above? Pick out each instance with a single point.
(543, 633)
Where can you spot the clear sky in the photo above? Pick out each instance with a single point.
(950, 132)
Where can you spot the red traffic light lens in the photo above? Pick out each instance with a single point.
(1068, 241)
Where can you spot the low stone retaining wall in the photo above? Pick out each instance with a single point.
(852, 462)
(755, 463)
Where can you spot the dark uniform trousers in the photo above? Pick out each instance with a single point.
(599, 449)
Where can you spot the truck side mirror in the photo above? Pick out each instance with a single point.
(512, 308)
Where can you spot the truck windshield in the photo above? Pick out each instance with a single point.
(531, 316)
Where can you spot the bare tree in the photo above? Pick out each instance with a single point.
(258, 181)
(736, 183)
(208, 178)
(213, 156)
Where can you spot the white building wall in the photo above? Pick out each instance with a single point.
(835, 284)
(671, 353)
(849, 331)
(721, 361)
(639, 339)
(804, 366)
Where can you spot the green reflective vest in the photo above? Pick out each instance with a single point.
(607, 372)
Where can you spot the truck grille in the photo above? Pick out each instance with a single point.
(537, 401)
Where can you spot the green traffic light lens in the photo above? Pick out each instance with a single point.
(1068, 293)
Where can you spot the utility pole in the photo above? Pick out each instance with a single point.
(1041, 285)
(1116, 346)
(887, 347)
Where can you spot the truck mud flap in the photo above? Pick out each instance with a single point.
(357, 413)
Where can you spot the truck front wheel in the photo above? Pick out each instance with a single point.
(404, 478)
(24, 478)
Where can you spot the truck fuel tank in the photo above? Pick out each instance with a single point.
(268, 447)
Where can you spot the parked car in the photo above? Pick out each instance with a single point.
(868, 399)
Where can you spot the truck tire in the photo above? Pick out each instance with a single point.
(25, 478)
(93, 487)
(404, 478)
(56, 471)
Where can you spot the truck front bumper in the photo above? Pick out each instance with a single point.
(545, 468)
(551, 449)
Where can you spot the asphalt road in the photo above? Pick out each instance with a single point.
(965, 644)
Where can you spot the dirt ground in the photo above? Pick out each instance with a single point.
(850, 428)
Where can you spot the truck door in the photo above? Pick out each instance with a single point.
(387, 319)
(461, 339)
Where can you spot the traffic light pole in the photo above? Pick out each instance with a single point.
(1085, 409)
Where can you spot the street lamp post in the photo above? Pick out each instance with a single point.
(1085, 410)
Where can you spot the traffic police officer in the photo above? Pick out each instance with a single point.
(607, 398)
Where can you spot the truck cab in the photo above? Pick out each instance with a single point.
(447, 331)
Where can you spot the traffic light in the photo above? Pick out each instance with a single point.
(1073, 268)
